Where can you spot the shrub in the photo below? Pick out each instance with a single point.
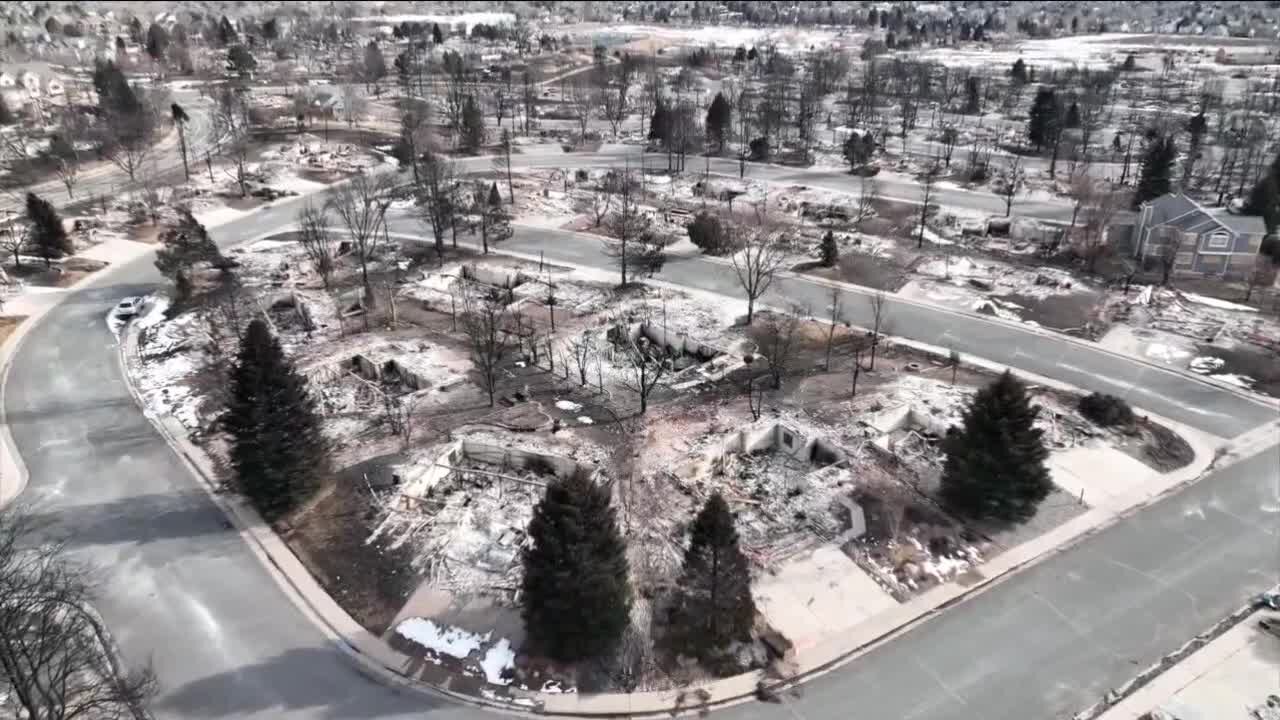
(1106, 410)
(708, 234)
(759, 149)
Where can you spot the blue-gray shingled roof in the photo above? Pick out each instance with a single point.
(1180, 211)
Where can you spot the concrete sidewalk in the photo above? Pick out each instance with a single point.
(1235, 671)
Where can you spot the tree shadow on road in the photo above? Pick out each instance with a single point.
(315, 682)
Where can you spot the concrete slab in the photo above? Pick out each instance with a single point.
(1097, 473)
(819, 595)
(477, 614)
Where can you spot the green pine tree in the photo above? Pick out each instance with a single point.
(184, 245)
(995, 463)
(1155, 176)
(719, 116)
(48, 236)
(1045, 118)
(577, 597)
(829, 251)
(472, 125)
(277, 448)
(714, 604)
(1264, 200)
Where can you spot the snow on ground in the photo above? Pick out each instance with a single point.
(169, 359)
(1091, 51)
(441, 639)
(468, 20)
(568, 405)
(498, 660)
(1216, 303)
(1166, 353)
(1243, 382)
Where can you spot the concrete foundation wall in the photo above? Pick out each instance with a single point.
(497, 277)
(675, 342)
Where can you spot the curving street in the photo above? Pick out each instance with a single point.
(181, 588)
(104, 178)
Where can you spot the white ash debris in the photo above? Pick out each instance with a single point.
(463, 507)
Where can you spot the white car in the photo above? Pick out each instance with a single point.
(129, 307)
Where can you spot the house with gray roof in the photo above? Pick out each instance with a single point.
(1206, 242)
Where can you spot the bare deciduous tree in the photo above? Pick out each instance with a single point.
(580, 101)
(484, 322)
(927, 181)
(1100, 203)
(835, 310)
(354, 104)
(868, 193)
(878, 301)
(56, 661)
(1012, 177)
(317, 240)
(600, 200)
(237, 153)
(637, 250)
(435, 196)
(647, 364)
(756, 262)
(776, 340)
(14, 239)
(361, 205)
(581, 350)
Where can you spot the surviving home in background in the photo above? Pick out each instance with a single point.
(1206, 243)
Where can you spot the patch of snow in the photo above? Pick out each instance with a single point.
(584, 420)
(1241, 381)
(553, 687)
(1216, 303)
(1166, 353)
(442, 639)
(568, 405)
(497, 661)
(1206, 364)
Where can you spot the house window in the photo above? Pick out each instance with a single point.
(1219, 240)
(787, 439)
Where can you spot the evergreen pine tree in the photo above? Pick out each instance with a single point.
(829, 251)
(1264, 200)
(714, 606)
(718, 118)
(659, 125)
(858, 148)
(972, 95)
(995, 463)
(1073, 115)
(472, 124)
(6, 115)
(157, 41)
(577, 597)
(226, 32)
(48, 236)
(437, 37)
(184, 245)
(1044, 120)
(277, 449)
(1019, 72)
(1155, 176)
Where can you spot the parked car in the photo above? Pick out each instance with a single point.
(129, 307)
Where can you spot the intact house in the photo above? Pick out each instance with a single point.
(1206, 243)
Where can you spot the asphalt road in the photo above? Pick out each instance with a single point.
(181, 589)
(105, 178)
